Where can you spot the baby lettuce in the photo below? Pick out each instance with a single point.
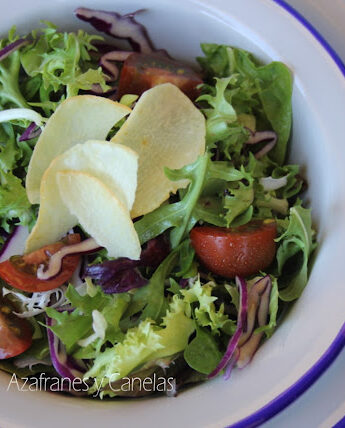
(202, 353)
(261, 90)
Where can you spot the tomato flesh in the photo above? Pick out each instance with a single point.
(15, 332)
(20, 271)
(141, 72)
(241, 251)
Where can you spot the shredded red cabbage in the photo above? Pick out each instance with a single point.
(260, 136)
(247, 351)
(121, 275)
(241, 326)
(32, 131)
(7, 50)
(183, 283)
(116, 276)
(254, 299)
(111, 69)
(118, 26)
(155, 252)
(258, 306)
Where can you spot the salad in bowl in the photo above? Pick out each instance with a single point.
(153, 233)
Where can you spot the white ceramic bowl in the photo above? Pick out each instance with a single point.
(307, 341)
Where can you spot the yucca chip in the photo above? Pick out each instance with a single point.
(166, 130)
(100, 212)
(77, 119)
(114, 164)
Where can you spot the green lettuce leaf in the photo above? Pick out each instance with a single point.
(150, 300)
(205, 312)
(220, 114)
(10, 93)
(261, 90)
(238, 202)
(177, 215)
(63, 64)
(218, 60)
(274, 85)
(77, 325)
(202, 353)
(14, 203)
(8, 149)
(295, 247)
(144, 343)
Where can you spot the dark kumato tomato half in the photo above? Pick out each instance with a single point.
(15, 332)
(141, 72)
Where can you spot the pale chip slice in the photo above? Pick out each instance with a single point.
(77, 119)
(100, 213)
(114, 164)
(166, 130)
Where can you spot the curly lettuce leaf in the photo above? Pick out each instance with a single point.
(218, 60)
(10, 92)
(220, 114)
(144, 343)
(205, 312)
(8, 149)
(116, 362)
(178, 326)
(14, 204)
(238, 203)
(62, 64)
(14, 158)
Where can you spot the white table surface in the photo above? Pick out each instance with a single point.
(322, 405)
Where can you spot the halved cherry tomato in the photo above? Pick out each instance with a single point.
(243, 251)
(15, 332)
(20, 271)
(143, 71)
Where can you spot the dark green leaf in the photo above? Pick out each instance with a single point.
(202, 353)
(296, 240)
